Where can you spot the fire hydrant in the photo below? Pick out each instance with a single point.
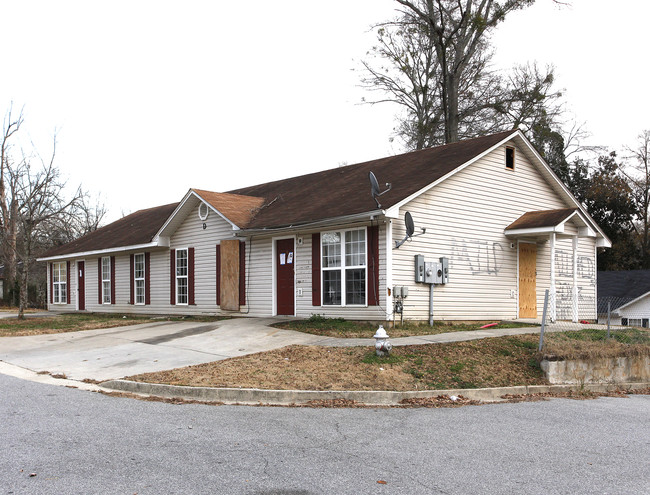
(382, 345)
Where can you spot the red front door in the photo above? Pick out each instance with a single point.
(81, 285)
(284, 261)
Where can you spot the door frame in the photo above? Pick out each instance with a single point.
(519, 242)
(82, 277)
(274, 301)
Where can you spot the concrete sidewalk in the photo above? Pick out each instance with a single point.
(429, 339)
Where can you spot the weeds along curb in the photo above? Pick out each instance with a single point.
(370, 397)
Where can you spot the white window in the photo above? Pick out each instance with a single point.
(106, 280)
(138, 269)
(344, 267)
(181, 276)
(60, 282)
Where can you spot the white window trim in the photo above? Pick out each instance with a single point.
(136, 280)
(106, 298)
(57, 270)
(178, 277)
(343, 268)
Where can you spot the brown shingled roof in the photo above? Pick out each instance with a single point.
(346, 190)
(313, 197)
(237, 208)
(542, 218)
(136, 228)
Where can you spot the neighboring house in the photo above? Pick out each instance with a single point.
(626, 294)
(320, 243)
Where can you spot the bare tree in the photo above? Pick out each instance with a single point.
(457, 29)
(42, 206)
(404, 68)
(36, 209)
(8, 204)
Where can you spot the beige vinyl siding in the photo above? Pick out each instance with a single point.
(465, 217)
(259, 276)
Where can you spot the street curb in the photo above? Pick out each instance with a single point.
(369, 397)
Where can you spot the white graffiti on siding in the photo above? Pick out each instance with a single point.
(564, 265)
(483, 257)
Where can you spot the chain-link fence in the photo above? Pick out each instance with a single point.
(608, 313)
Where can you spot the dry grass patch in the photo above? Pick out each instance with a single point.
(593, 343)
(485, 363)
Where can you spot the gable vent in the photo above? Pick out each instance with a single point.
(203, 211)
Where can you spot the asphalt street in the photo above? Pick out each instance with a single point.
(78, 442)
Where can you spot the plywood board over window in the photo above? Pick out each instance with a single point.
(229, 275)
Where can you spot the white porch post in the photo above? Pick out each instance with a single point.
(389, 268)
(575, 279)
(553, 313)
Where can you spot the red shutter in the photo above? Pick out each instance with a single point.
(147, 279)
(99, 281)
(190, 276)
(373, 265)
(51, 283)
(218, 274)
(172, 276)
(67, 284)
(242, 273)
(315, 269)
(112, 279)
(132, 280)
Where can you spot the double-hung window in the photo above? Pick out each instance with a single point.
(106, 280)
(60, 283)
(138, 276)
(344, 267)
(181, 276)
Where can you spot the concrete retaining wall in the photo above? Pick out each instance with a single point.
(598, 370)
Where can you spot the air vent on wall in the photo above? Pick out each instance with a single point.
(203, 211)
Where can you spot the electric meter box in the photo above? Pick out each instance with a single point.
(419, 268)
(445, 270)
(400, 291)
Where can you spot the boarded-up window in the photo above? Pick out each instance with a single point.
(229, 279)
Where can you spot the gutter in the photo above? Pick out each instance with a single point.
(359, 217)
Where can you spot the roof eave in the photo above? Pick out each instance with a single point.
(164, 242)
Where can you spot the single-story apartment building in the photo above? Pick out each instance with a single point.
(323, 243)
(625, 295)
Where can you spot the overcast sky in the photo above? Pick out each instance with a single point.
(150, 98)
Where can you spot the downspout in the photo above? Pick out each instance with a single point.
(553, 315)
(389, 269)
(575, 279)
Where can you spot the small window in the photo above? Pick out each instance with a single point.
(139, 267)
(106, 280)
(510, 158)
(181, 276)
(60, 283)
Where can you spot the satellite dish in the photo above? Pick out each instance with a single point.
(410, 225)
(374, 188)
(410, 230)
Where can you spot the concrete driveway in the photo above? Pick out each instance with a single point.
(117, 352)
